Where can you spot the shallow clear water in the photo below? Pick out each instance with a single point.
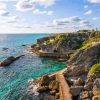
(13, 79)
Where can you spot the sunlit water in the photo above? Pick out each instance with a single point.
(13, 79)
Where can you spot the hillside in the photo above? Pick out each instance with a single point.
(81, 51)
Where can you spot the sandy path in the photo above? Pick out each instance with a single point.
(58, 72)
(66, 95)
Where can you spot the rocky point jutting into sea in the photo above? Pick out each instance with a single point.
(80, 80)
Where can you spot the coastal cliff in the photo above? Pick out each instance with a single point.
(59, 45)
(81, 50)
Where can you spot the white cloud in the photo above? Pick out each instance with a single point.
(96, 18)
(4, 13)
(86, 6)
(38, 12)
(2, 6)
(22, 25)
(50, 13)
(74, 21)
(63, 21)
(26, 5)
(89, 12)
(45, 3)
(84, 22)
(10, 19)
(94, 1)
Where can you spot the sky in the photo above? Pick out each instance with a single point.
(48, 16)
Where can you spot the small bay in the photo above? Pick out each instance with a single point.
(14, 78)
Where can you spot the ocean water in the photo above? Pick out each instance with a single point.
(14, 78)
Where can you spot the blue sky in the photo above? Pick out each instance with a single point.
(48, 16)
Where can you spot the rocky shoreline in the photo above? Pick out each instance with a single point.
(81, 50)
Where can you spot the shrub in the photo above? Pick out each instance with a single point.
(95, 69)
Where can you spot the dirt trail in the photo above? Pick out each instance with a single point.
(58, 72)
(65, 90)
(66, 95)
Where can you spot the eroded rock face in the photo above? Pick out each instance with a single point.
(44, 80)
(96, 97)
(63, 44)
(96, 90)
(48, 88)
(88, 86)
(54, 85)
(83, 60)
(86, 95)
(96, 87)
(42, 89)
(53, 92)
(78, 82)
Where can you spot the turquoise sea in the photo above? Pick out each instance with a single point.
(14, 78)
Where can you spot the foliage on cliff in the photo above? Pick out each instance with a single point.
(86, 44)
(95, 69)
(83, 58)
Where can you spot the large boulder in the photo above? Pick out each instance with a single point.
(86, 95)
(44, 80)
(96, 87)
(96, 90)
(54, 85)
(76, 90)
(78, 82)
(53, 92)
(57, 96)
(9, 60)
(88, 86)
(42, 89)
(5, 48)
(96, 97)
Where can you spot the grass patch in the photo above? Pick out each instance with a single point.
(95, 69)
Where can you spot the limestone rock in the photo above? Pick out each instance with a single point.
(5, 48)
(96, 87)
(96, 97)
(85, 95)
(96, 90)
(78, 82)
(97, 82)
(88, 86)
(42, 89)
(9, 60)
(84, 58)
(53, 92)
(57, 95)
(54, 85)
(44, 80)
(76, 90)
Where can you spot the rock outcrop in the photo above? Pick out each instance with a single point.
(60, 44)
(84, 83)
(76, 90)
(9, 60)
(84, 59)
(5, 48)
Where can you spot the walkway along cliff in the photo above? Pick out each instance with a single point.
(81, 79)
